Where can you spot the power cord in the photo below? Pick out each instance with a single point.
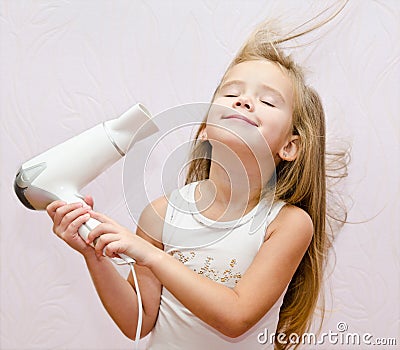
(140, 309)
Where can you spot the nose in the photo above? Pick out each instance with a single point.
(244, 102)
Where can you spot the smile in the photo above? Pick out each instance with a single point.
(241, 117)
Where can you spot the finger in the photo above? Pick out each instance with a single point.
(102, 218)
(89, 200)
(100, 230)
(61, 211)
(75, 224)
(64, 210)
(70, 216)
(103, 241)
(53, 206)
(113, 249)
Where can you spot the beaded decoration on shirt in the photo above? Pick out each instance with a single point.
(207, 270)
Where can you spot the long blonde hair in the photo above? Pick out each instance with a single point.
(302, 182)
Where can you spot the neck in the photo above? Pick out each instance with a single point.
(235, 181)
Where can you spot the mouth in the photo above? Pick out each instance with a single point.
(241, 117)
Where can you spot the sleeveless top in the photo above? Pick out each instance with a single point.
(221, 251)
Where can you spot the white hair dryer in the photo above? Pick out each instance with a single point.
(60, 172)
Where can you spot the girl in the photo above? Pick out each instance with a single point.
(245, 286)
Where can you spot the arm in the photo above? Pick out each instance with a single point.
(116, 294)
(230, 311)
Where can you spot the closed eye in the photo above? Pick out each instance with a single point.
(268, 103)
(230, 95)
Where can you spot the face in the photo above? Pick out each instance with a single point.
(259, 98)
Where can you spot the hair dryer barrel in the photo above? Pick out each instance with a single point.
(60, 172)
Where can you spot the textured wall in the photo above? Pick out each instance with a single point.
(67, 65)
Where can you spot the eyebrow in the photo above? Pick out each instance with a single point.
(264, 86)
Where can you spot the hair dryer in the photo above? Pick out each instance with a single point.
(60, 172)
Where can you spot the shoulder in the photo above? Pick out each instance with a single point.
(291, 220)
(157, 207)
(151, 221)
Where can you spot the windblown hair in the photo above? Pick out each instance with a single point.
(302, 182)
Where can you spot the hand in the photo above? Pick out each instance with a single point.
(67, 218)
(112, 239)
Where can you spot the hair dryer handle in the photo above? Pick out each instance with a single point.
(88, 226)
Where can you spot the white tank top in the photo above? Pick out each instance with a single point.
(221, 251)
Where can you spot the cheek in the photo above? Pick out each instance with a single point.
(276, 133)
(220, 100)
(222, 105)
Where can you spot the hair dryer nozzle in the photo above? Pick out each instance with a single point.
(132, 126)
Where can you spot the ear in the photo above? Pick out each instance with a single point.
(203, 135)
(290, 150)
